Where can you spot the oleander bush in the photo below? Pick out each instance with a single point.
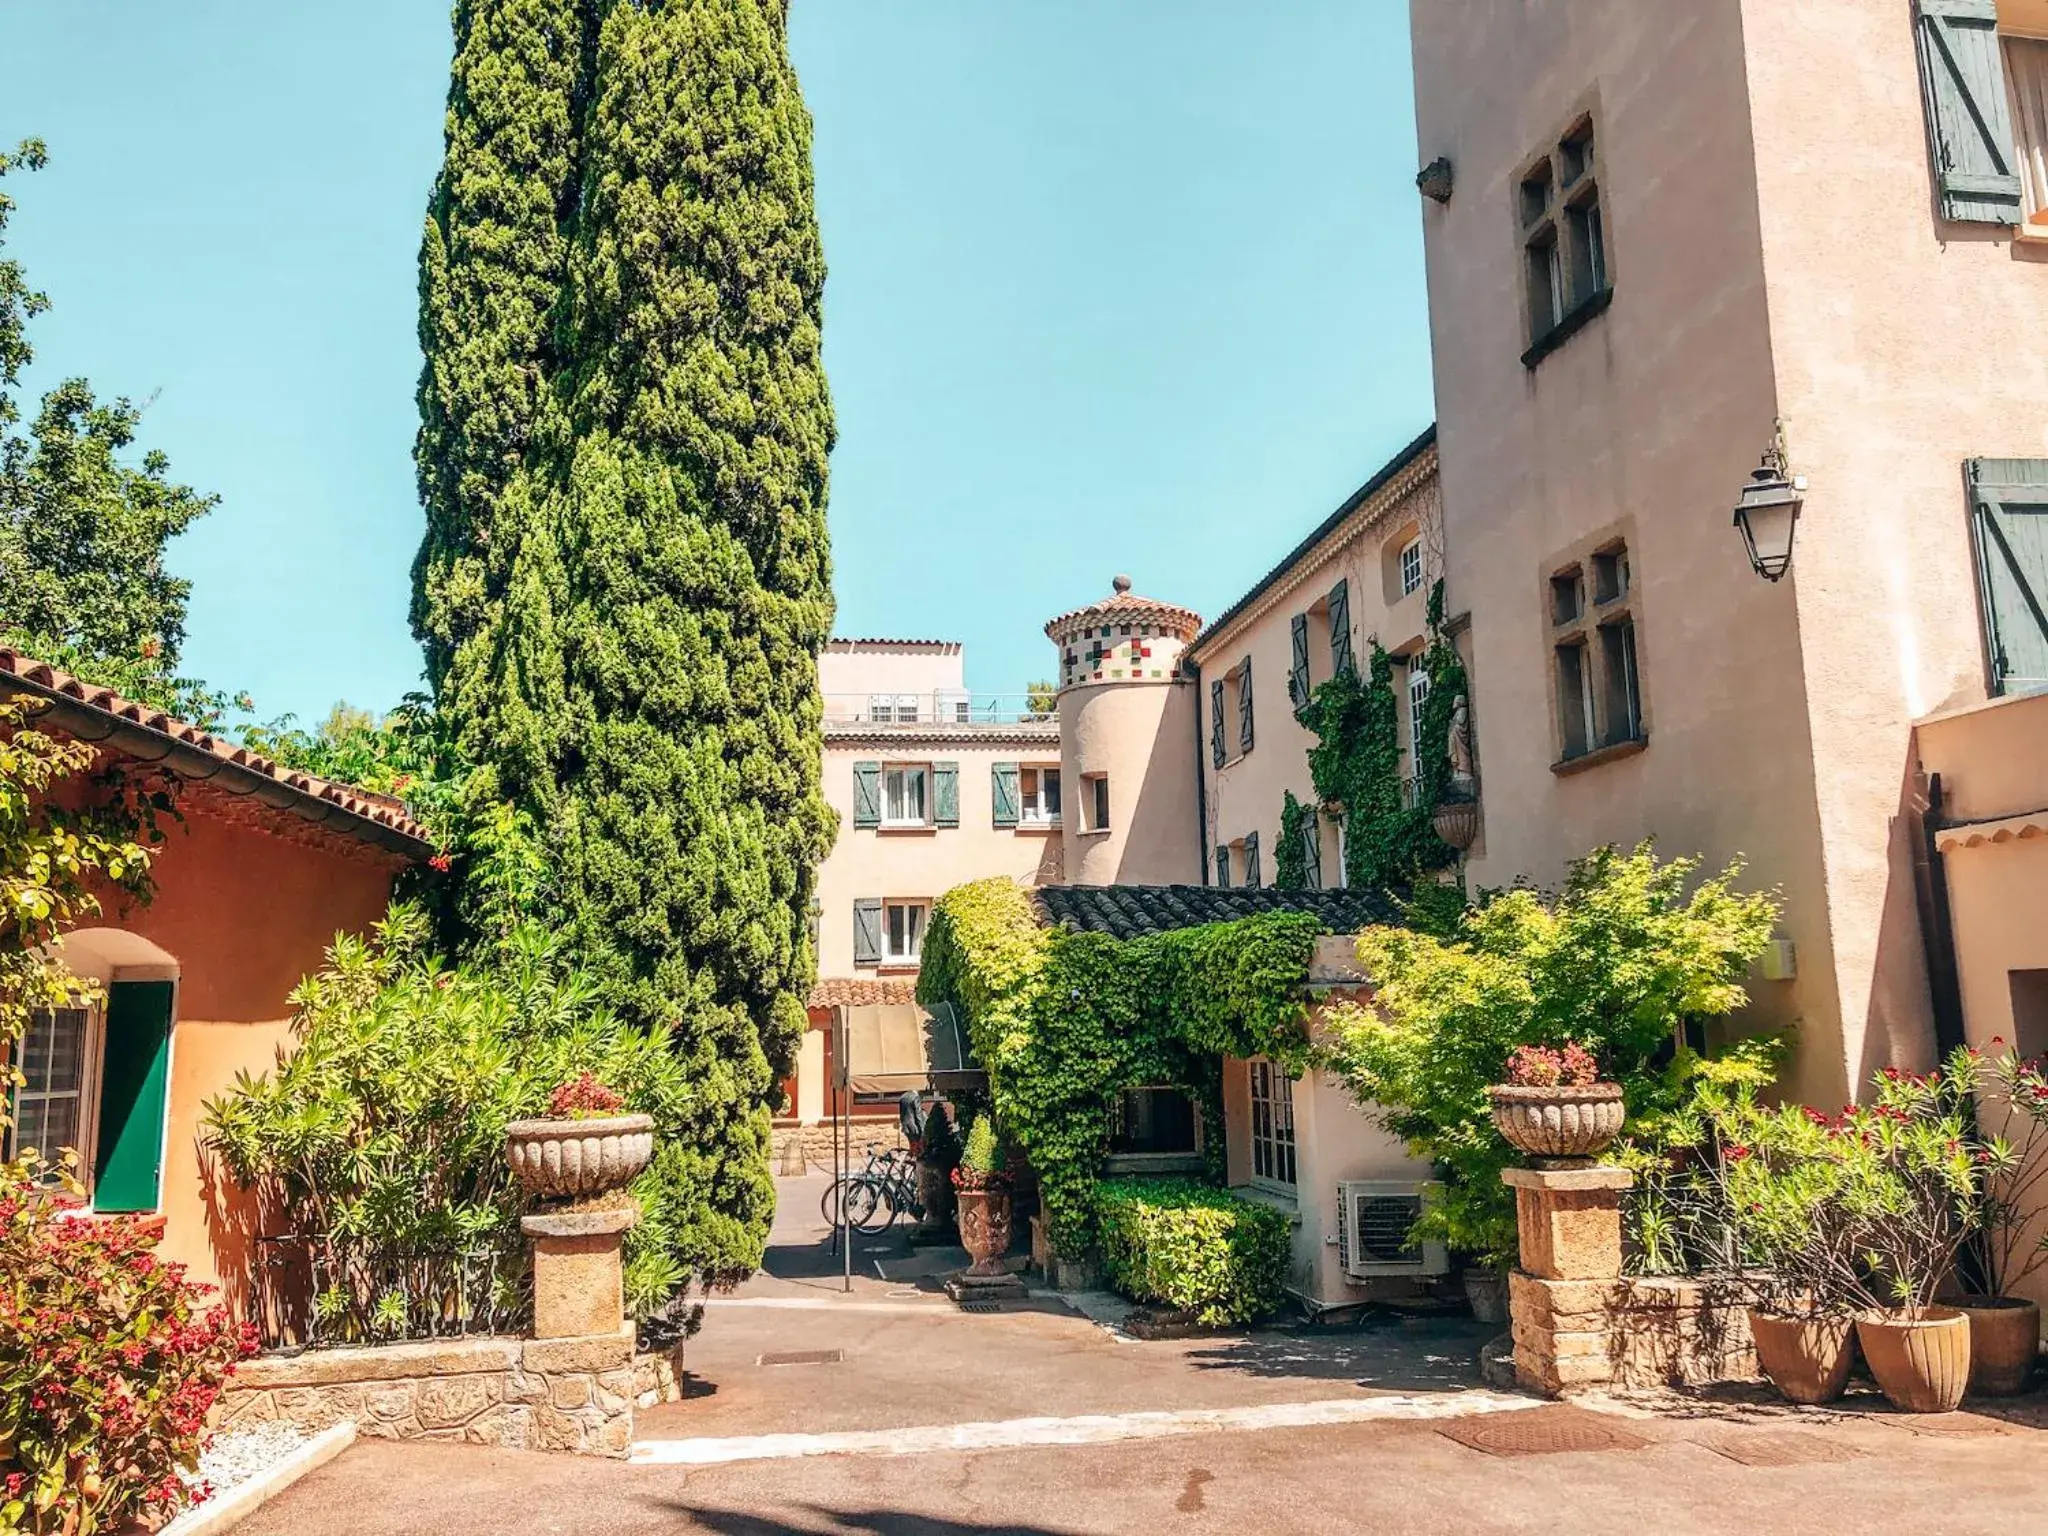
(108, 1365)
(1194, 1247)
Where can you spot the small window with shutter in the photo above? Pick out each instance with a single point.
(2009, 527)
(1297, 669)
(1340, 628)
(946, 794)
(1223, 867)
(1218, 752)
(1005, 794)
(867, 931)
(1969, 118)
(1244, 705)
(867, 795)
(1311, 828)
(1253, 876)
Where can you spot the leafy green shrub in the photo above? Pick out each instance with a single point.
(981, 1158)
(1616, 963)
(1203, 1250)
(382, 1132)
(108, 1365)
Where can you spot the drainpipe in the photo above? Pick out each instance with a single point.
(1937, 924)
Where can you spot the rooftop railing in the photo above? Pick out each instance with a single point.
(943, 707)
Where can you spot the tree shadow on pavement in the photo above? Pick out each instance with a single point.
(819, 1521)
(1405, 1355)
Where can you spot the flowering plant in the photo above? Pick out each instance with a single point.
(2013, 1102)
(1543, 1066)
(107, 1365)
(584, 1098)
(981, 1159)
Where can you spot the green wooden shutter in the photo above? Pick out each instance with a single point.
(1340, 627)
(1297, 677)
(2009, 526)
(1252, 878)
(867, 794)
(128, 1169)
(1969, 122)
(1244, 705)
(867, 931)
(1003, 789)
(1223, 867)
(1312, 850)
(946, 794)
(1217, 751)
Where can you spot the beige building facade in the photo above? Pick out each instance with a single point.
(1670, 237)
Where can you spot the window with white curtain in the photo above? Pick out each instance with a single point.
(2026, 75)
(52, 1106)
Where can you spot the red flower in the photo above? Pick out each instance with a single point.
(441, 863)
(1737, 1154)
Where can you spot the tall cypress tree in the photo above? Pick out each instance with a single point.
(493, 272)
(650, 585)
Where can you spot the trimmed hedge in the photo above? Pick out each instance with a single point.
(1190, 1246)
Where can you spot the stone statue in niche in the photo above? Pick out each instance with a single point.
(1460, 747)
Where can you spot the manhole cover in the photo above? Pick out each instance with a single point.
(1540, 1432)
(802, 1357)
(1783, 1448)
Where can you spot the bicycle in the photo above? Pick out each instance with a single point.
(875, 1196)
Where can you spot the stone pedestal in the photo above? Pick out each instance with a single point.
(1568, 1289)
(578, 1285)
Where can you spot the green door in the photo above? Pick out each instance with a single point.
(128, 1172)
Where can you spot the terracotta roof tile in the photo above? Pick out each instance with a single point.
(1129, 911)
(1123, 606)
(863, 991)
(24, 674)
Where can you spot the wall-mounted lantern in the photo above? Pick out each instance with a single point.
(1433, 181)
(1767, 512)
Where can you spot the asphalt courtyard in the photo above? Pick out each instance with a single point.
(886, 1410)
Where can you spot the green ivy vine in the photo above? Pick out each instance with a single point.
(1066, 1022)
(1356, 762)
(1290, 858)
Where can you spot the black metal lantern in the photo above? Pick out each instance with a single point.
(1767, 512)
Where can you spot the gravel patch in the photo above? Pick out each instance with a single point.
(235, 1455)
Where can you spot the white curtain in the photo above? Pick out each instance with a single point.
(2026, 71)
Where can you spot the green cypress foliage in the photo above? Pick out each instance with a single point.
(626, 578)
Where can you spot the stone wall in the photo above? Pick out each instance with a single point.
(815, 1141)
(1635, 1333)
(529, 1394)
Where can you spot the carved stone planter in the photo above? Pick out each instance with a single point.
(985, 1228)
(1457, 823)
(578, 1159)
(1558, 1123)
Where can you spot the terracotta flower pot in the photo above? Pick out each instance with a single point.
(1920, 1357)
(985, 1228)
(1558, 1122)
(1805, 1358)
(2005, 1340)
(576, 1159)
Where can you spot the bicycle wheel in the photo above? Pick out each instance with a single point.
(865, 1204)
(828, 1203)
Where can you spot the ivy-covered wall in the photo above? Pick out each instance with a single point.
(1066, 1022)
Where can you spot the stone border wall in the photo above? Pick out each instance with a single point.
(1575, 1334)
(529, 1394)
(816, 1140)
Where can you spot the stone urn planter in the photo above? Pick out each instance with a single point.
(2005, 1341)
(1805, 1358)
(578, 1159)
(1920, 1356)
(985, 1226)
(1457, 823)
(1569, 1123)
(1486, 1291)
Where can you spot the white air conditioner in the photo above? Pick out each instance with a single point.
(1374, 1218)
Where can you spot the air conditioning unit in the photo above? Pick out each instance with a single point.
(1374, 1220)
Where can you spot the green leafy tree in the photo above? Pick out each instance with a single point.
(82, 529)
(1616, 963)
(625, 582)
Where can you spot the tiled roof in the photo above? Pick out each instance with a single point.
(920, 645)
(1021, 733)
(1123, 606)
(863, 991)
(1127, 911)
(100, 715)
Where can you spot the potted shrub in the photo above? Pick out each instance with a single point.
(584, 1148)
(983, 1191)
(1553, 1107)
(2005, 1330)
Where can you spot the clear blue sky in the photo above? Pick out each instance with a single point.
(1115, 285)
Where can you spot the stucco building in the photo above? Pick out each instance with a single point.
(1661, 240)
(258, 873)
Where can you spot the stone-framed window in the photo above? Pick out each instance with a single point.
(1595, 669)
(1562, 224)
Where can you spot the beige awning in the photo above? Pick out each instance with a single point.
(891, 1048)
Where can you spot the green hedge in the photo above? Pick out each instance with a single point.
(1203, 1250)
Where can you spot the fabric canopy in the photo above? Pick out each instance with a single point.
(892, 1048)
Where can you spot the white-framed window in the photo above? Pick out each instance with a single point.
(2026, 79)
(54, 1105)
(1272, 1106)
(906, 795)
(903, 931)
(1411, 566)
(1038, 791)
(1418, 697)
